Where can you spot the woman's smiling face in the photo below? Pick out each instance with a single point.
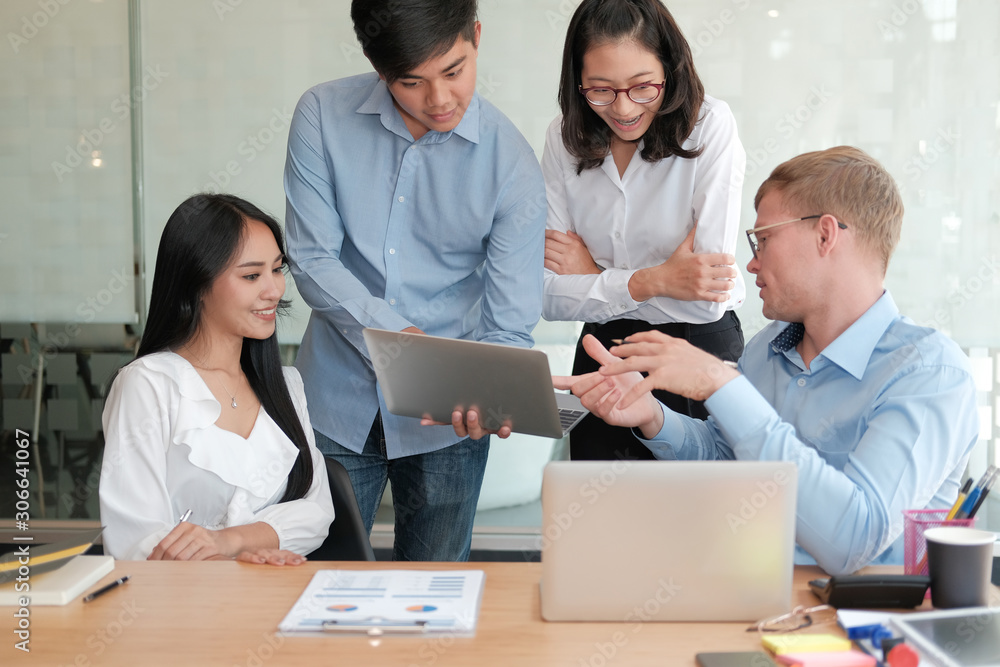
(623, 65)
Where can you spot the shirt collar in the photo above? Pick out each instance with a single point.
(380, 103)
(852, 349)
(611, 169)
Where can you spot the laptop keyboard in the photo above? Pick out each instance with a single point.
(568, 416)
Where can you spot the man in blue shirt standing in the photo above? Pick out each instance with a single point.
(412, 205)
(878, 413)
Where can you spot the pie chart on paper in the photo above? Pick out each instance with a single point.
(421, 607)
(343, 607)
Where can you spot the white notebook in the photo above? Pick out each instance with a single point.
(59, 586)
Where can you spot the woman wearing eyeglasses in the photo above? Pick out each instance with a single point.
(643, 174)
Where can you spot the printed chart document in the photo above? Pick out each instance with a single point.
(377, 602)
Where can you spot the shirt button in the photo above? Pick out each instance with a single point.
(392, 251)
(392, 302)
(401, 199)
(618, 235)
(801, 382)
(623, 266)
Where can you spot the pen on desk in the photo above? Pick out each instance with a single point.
(961, 499)
(985, 492)
(622, 341)
(101, 591)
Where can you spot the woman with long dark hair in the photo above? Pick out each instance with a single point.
(643, 174)
(206, 418)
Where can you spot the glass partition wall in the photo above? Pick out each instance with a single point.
(112, 112)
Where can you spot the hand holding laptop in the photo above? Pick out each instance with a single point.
(468, 426)
(478, 388)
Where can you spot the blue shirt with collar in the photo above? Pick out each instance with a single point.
(445, 233)
(883, 420)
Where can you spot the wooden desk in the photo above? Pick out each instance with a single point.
(227, 613)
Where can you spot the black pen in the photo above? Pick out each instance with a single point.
(622, 341)
(985, 492)
(101, 591)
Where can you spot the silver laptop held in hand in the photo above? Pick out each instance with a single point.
(422, 375)
(638, 541)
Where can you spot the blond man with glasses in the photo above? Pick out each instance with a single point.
(878, 413)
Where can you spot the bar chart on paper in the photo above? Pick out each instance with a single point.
(388, 601)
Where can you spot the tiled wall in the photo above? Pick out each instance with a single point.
(66, 241)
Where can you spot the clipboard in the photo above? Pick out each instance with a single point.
(387, 602)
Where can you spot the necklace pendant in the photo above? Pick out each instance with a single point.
(234, 403)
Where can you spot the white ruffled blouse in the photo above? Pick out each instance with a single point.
(164, 455)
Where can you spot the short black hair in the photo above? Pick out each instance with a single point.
(650, 24)
(399, 35)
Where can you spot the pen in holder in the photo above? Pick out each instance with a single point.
(915, 522)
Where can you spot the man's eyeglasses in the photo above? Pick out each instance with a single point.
(752, 233)
(640, 94)
(796, 619)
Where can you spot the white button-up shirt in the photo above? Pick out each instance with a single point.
(637, 221)
(165, 455)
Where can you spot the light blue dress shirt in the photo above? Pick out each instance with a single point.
(445, 233)
(883, 420)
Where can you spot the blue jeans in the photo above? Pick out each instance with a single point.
(434, 495)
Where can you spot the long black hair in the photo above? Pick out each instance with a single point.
(199, 242)
(650, 24)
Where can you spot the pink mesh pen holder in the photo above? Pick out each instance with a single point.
(915, 522)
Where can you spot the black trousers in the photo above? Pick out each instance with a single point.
(595, 440)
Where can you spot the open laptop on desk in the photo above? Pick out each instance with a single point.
(427, 375)
(667, 540)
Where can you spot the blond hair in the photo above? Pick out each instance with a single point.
(849, 184)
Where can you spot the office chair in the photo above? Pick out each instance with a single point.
(348, 538)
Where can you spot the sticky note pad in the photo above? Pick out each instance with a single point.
(835, 659)
(780, 644)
